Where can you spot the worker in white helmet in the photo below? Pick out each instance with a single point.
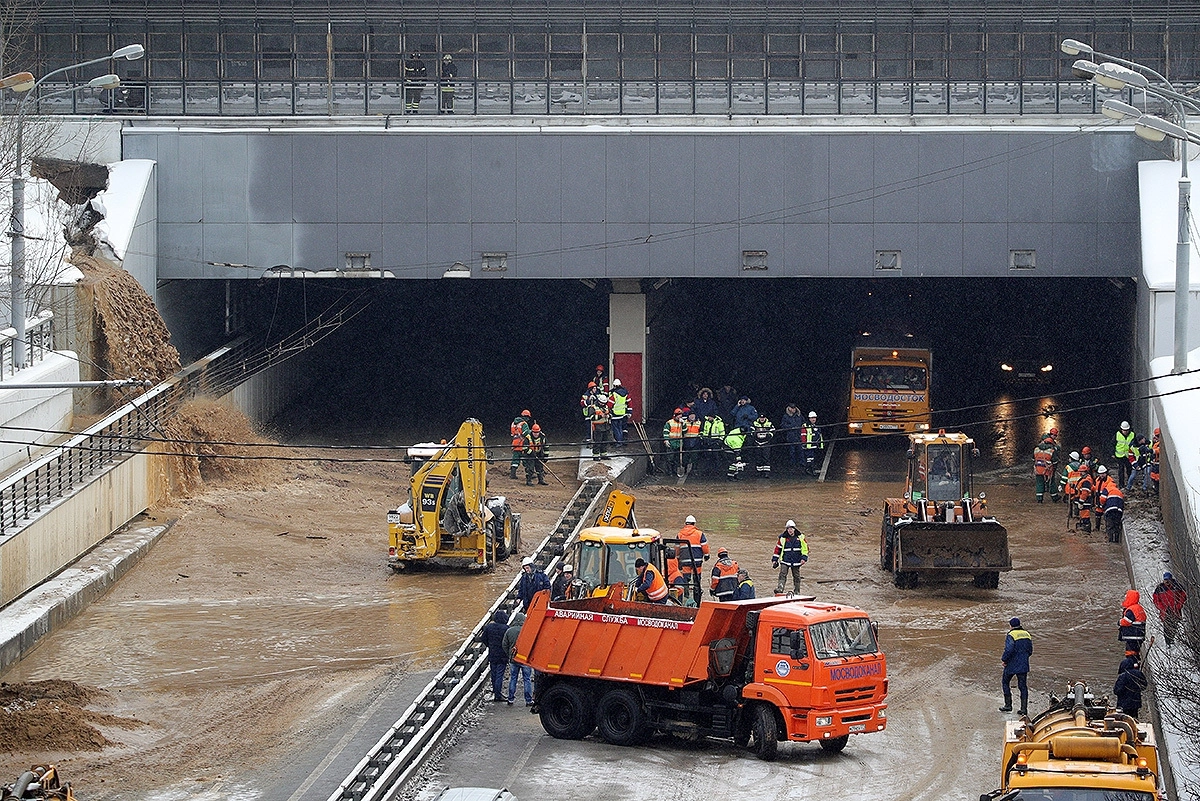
(813, 442)
(1121, 450)
(693, 558)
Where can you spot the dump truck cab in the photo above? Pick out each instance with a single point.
(941, 526)
(1080, 749)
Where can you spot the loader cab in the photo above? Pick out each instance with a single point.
(605, 555)
(940, 468)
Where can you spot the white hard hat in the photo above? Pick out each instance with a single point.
(1124, 425)
(528, 560)
(616, 382)
(689, 519)
(1075, 455)
(568, 569)
(812, 414)
(790, 524)
(1102, 469)
(602, 398)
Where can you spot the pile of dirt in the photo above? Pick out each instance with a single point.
(133, 339)
(209, 448)
(50, 716)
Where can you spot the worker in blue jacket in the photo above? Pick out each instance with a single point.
(493, 638)
(1018, 647)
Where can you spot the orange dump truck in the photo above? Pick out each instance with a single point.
(756, 672)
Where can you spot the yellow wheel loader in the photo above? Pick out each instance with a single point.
(938, 529)
(448, 520)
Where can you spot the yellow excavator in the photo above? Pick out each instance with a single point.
(938, 529)
(448, 520)
(39, 782)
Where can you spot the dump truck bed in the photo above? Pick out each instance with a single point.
(608, 638)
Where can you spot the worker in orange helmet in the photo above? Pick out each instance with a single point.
(535, 456)
(1084, 497)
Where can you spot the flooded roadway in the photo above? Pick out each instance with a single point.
(260, 638)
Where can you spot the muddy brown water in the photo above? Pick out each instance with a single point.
(268, 611)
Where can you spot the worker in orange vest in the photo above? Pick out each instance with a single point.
(650, 582)
(724, 577)
(520, 429)
(1084, 498)
(1070, 480)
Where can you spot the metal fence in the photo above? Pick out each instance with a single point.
(39, 340)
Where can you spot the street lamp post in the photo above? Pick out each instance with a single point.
(17, 224)
(1118, 73)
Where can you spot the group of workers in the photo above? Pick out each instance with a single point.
(1087, 486)
(607, 410)
(698, 436)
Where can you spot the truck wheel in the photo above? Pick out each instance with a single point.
(987, 581)
(886, 544)
(566, 712)
(741, 729)
(620, 718)
(765, 733)
(835, 745)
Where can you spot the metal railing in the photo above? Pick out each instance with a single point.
(403, 749)
(39, 340)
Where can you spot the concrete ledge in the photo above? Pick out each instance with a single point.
(28, 619)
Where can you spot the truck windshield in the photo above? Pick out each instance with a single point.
(589, 560)
(837, 638)
(889, 376)
(1080, 794)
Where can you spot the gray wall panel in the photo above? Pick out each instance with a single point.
(360, 179)
(627, 174)
(851, 179)
(538, 190)
(896, 170)
(539, 251)
(716, 172)
(673, 169)
(493, 168)
(761, 193)
(404, 250)
(448, 179)
(583, 176)
(269, 175)
(1031, 179)
(406, 188)
(270, 244)
(314, 165)
(954, 202)
(940, 193)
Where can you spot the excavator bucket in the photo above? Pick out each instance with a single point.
(959, 547)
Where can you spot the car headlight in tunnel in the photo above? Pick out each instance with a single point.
(1047, 368)
(1006, 368)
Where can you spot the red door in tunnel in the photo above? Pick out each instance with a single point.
(628, 368)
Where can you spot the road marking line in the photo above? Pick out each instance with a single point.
(519, 765)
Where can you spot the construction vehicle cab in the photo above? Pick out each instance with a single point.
(1080, 749)
(605, 554)
(448, 520)
(940, 526)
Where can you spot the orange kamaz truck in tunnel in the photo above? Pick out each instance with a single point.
(756, 672)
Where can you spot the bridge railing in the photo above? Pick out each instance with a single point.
(39, 340)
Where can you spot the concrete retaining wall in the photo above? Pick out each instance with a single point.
(78, 522)
(40, 410)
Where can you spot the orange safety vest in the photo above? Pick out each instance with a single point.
(674, 429)
(724, 577)
(517, 429)
(674, 576)
(699, 546)
(658, 588)
(1084, 491)
(1042, 460)
(1072, 486)
(693, 428)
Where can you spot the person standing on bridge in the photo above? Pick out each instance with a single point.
(814, 443)
(414, 83)
(791, 552)
(449, 73)
(493, 637)
(1018, 647)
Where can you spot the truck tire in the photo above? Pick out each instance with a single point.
(836, 744)
(765, 733)
(987, 581)
(741, 729)
(621, 719)
(566, 712)
(887, 544)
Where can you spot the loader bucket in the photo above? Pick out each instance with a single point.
(965, 547)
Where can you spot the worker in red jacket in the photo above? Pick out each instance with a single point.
(1169, 598)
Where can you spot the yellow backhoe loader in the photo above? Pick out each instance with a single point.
(448, 520)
